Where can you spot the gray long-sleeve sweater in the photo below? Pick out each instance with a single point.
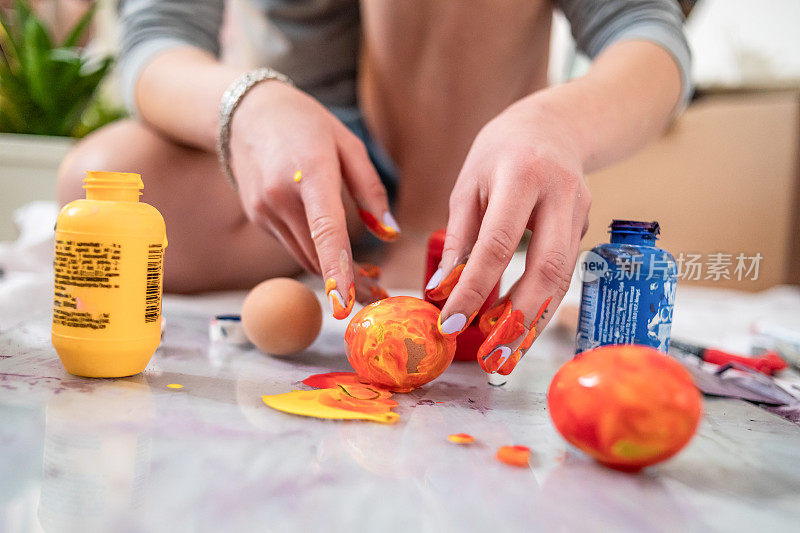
(317, 40)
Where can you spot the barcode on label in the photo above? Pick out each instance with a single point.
(588, 313)
(152, 293)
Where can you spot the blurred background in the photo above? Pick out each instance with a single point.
(724, 181)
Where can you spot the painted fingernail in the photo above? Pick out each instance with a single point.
(386, 231)
(435, 279)
(389, 221)
(504, 353)
(335, 299)
(453, 324)
(340, 310)
(442, 290)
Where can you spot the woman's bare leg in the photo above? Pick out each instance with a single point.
(212, 245)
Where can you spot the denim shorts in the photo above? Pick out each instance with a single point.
(387, 171)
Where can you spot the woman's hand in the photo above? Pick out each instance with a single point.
(290, 156)
(524, 170)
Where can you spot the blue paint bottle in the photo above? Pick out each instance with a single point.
(628, 289)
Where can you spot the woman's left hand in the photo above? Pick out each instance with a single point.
(524, 170)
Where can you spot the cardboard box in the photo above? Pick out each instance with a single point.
(725, 179)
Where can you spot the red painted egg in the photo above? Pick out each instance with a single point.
(628, 406)
(395, 343)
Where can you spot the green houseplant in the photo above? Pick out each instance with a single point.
(48, 88)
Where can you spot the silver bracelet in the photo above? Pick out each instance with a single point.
(230, 101)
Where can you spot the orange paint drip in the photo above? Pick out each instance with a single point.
(514, 455)
(506, 330)
(461, 438)
(174, 386)
(379, 229)
(395, 344)
(340, 312)
(446, 286)
(297, 176)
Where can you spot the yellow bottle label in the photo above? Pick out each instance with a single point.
(81, 265)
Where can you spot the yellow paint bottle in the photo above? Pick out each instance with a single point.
(108, 278)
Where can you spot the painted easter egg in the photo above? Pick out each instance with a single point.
(628, 406)
(395, 343)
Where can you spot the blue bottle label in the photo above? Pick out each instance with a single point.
(628, 297)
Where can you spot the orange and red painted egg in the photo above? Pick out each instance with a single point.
(395, 343)
(628, 406)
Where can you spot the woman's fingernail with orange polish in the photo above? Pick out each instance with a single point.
(340, 310)
(442, 290)
(386, 230)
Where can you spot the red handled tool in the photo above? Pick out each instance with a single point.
(769, 363)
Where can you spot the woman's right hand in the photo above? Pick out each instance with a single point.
(290, 156)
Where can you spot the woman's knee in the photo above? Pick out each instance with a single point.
(109, 148)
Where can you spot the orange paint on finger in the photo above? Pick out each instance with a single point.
(461, 438)
(446, 286)
(379, 229)
(368, 270)
(491, 316)
(507, 328)
(297, 176)
(514, 455)
(340, 311)
(378, 293)
(174, 386)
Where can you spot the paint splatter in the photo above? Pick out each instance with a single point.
(174, 386)
(297, 176)
(333, 403)
(514, 455)
(339, 396)
(461, 438)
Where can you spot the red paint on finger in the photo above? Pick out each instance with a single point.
(379, 229)
(368, 270)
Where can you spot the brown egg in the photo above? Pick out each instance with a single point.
(281, 316)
